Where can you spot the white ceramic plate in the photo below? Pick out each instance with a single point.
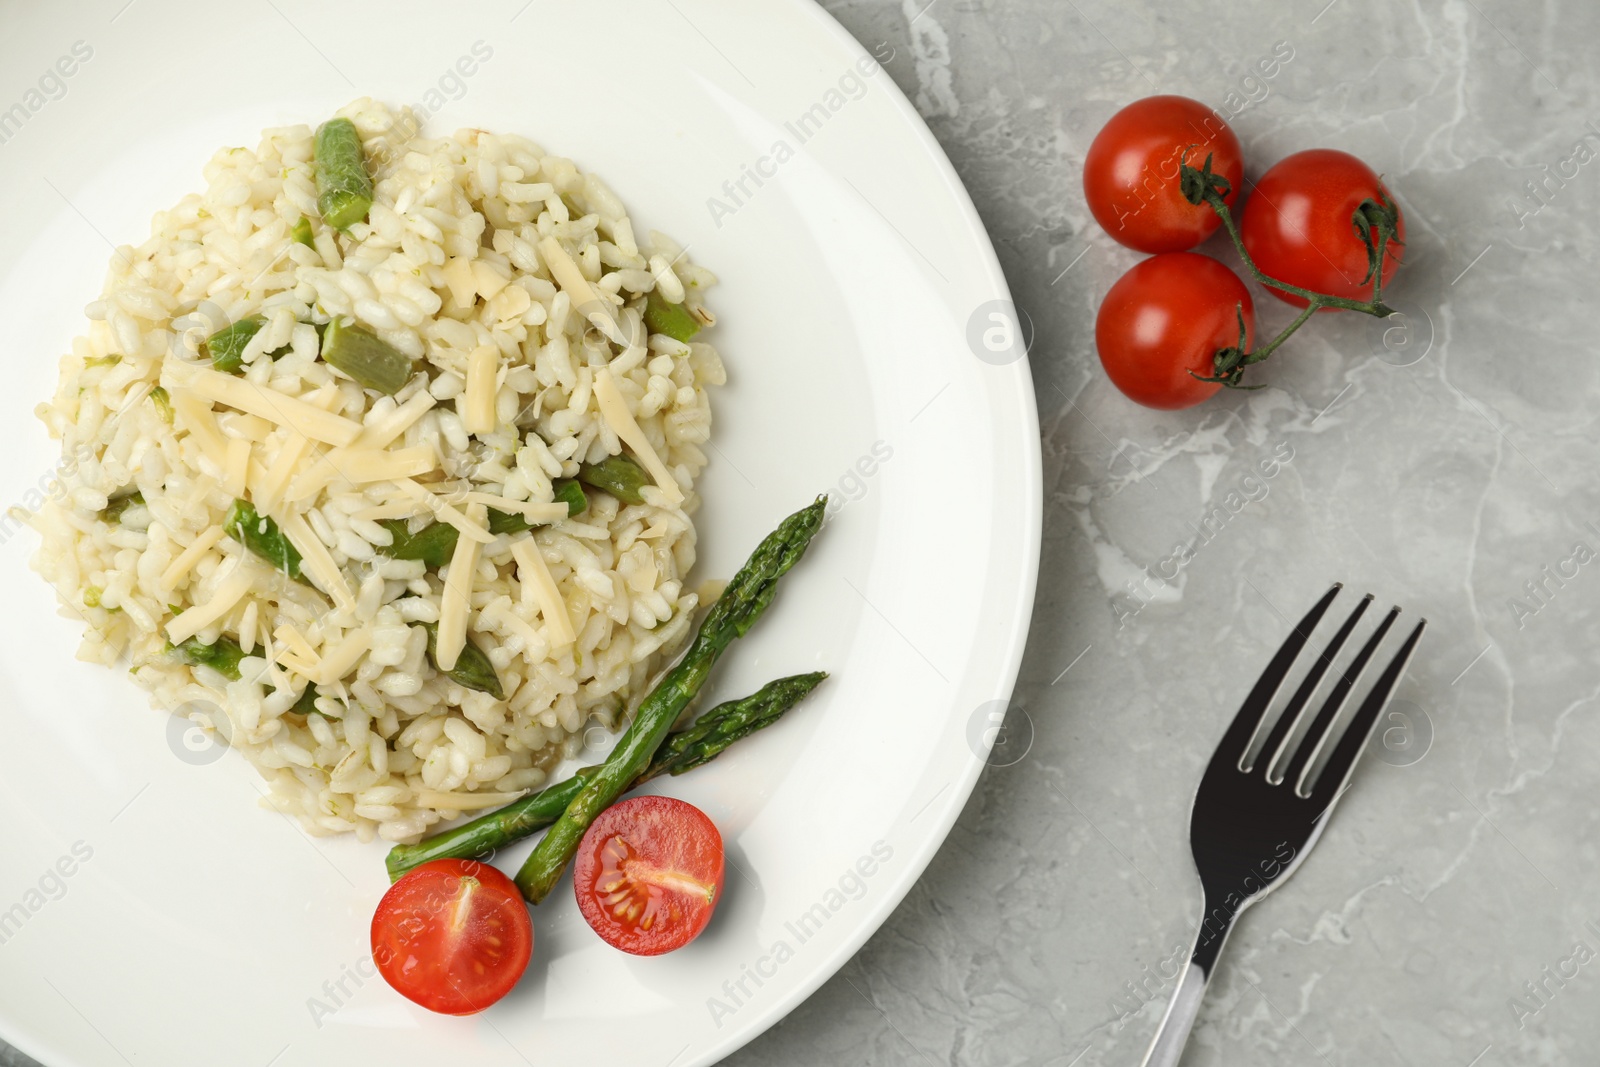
(194, 926)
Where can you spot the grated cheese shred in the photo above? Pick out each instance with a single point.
(456, 601)
(614, 409)
(539, 586)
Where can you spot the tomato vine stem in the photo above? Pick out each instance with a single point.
(1374, 222)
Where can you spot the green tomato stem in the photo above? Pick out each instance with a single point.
(1229, 363)
(1266, 350)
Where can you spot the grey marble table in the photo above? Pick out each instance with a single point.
(1444, 467)
(1449, 916)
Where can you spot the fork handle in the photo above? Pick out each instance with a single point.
(1216, 924)
(1167, 1048)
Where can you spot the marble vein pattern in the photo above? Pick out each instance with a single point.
(1446, 461)
(1443, 463)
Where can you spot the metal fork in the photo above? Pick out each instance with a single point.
(1253, 822)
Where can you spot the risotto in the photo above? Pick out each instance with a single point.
(386, 477)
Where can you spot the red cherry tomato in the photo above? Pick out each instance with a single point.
(1130, 176)
(453, 936)
(648, 874)
(1297, 225)
(1165, 318)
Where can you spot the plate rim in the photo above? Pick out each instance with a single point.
(1015, 390)
(909, 874)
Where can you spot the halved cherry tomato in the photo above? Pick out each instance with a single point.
(1130, 175)
(1298, 225)
(1167, 317)
(453, 936)
(648, 874)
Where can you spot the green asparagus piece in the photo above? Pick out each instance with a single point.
(508, 522)
(620, 475)
(163, 402)
(567, 491)
(700, 743)
(570, 493)
(300, 233)
(674, 320)
(112, 512)
(374, 363)
(306, 703)
(261, 535)
(101, 361)
(434, 544)
(472, 668)
(741, 604)
(223, 656)
(226, 346)
(344, 188)
(487, 833)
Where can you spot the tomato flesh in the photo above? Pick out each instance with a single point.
(453, 936)
(1166, 318)
(648, 874)
(1130, 174)
(1297, 225)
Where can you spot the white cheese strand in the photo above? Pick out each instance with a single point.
(614, 409)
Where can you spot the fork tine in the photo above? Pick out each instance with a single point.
(1317, 735)
(1235, 743)
(1270, 749)
(1343, 760)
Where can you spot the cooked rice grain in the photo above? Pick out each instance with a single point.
(395, 746)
